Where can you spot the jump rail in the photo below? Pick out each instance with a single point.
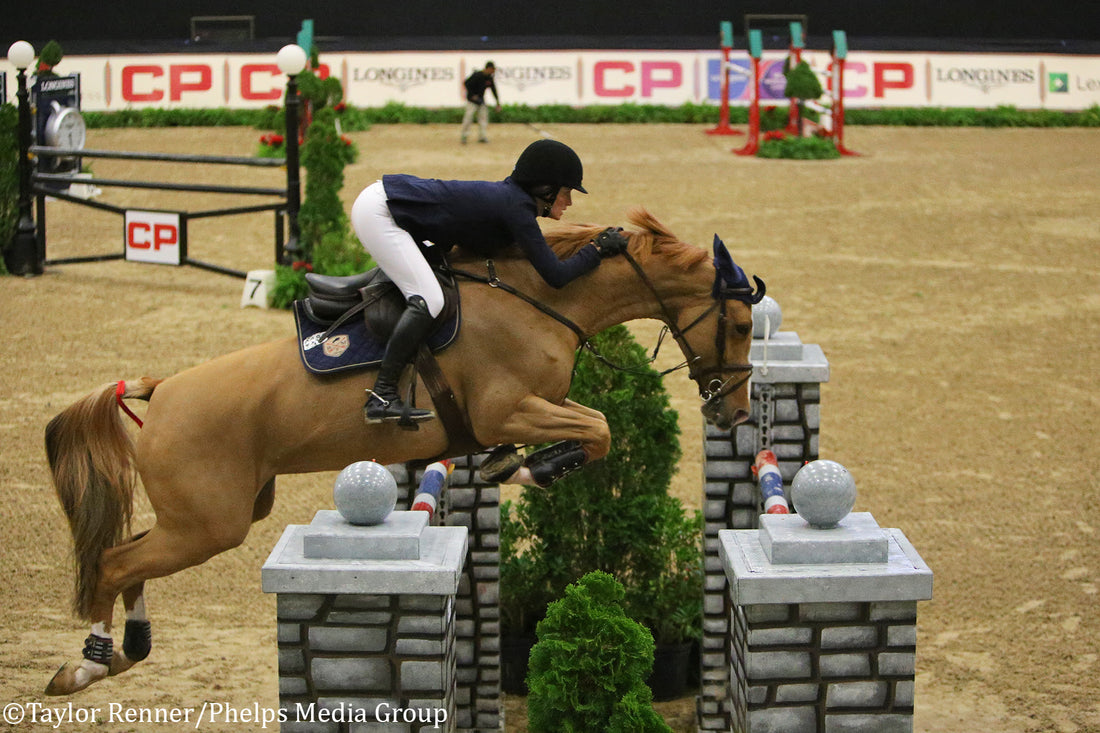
(41, 187)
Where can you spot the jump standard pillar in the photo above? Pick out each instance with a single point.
(822, 626)
(786, 418)
(366, 623)
(474, 504)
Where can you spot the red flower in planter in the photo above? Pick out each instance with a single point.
(300, 265)
(775, 135)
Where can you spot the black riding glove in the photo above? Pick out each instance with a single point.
(610, 242)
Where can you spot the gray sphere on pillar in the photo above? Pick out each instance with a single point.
(766, 317)
(365, 493)
(823, 493)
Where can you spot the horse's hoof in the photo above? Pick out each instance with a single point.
(501, 463)
(74, 677)
(120, 663)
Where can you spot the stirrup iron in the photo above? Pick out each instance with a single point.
(408, 417)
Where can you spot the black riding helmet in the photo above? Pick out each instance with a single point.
(549, 162)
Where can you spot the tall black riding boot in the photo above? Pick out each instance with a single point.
(384, 403)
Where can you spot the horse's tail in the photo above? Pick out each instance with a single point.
(91, 458)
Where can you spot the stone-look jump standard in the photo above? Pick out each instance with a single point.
(366, 623)
(823, 626)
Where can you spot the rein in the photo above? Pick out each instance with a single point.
(715, 390)
(583, 340)
(495, 282)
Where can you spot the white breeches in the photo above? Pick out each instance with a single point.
(394, 249)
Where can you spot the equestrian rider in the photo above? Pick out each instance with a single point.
(402, 220)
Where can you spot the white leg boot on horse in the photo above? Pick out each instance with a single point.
(101, 659)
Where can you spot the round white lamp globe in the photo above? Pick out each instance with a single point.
(21, 54)
(291, 59)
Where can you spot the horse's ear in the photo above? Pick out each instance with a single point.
(724, 270)
(723, 261)
(730, 280)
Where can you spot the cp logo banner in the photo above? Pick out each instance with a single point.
(154, 236)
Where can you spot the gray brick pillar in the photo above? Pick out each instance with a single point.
(785, 416)
(822, 626)
(366, 623)
(471, 503)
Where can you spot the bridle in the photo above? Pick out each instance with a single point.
(712, 381)
(712, 386)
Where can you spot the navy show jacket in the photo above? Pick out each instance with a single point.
(483, 217)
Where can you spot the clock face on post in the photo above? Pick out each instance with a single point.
(65, 128)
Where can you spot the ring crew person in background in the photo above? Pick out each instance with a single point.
(395, 219)
(477, 84)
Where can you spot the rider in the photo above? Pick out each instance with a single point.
(401, 218)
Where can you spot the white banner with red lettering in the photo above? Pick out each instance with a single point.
(581, 78)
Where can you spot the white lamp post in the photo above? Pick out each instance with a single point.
(22, 257)
(292, 60)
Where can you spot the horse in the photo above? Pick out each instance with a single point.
(215, 436)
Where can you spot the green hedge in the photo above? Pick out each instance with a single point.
(357, 118)
(9, 176)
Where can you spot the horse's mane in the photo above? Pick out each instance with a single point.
(650, 238)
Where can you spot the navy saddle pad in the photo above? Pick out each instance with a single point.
(352, 345)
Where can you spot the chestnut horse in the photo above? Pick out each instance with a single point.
(216, 435)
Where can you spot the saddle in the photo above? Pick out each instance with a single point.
(333, 298)
(343, 324)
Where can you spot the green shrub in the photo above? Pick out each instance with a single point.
(9, 176)
(361, 118)
(324, 155)
(327, 242)
(802, 82)
(614, 515)
(589, 667)
(152, 117)
(774, 118)
(51, 54)
(799, 148)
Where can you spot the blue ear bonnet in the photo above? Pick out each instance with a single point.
(730, 281)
